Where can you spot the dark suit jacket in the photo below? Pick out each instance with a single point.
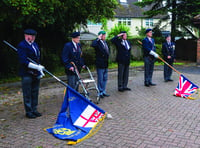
(101, 54)
(25, 50)
(70, 54)
(123, 55)
(168, 50)
(147, 46)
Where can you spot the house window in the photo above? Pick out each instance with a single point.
(124, 21)
(89, 23)
(123, 1)
(149, 22)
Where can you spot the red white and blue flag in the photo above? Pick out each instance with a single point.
(185, 87)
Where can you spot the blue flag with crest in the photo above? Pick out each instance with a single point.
(77, 119)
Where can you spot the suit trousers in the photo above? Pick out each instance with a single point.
(30, 88)
(102, 77)
(168, 70)
(123, 73)
(148, 69)
(72, 81)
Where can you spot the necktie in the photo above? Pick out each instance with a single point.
(150, 40)
(77, 47)
(34, 49)
(106, 46)
(126, 45)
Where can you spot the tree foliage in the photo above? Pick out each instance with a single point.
(63, 14)
(181, 12)
(117, 29)
(54, 20)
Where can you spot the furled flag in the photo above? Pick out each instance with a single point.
(78, 118)
(185, 88)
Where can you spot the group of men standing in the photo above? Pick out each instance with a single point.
(72, 52)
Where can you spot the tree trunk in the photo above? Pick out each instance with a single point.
(173, 25)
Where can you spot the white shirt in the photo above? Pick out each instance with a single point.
(74, 44)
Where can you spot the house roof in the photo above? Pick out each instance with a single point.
(130, 10)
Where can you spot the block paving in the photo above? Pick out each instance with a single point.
(145, 117)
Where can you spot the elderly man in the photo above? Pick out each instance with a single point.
(149, 50)
(123, 59)
(30, 72)
(102, 55)
(168, 51)
(72, 53)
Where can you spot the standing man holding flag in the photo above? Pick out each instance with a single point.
(123, 59)
(168, 51)
(30, 72)
(72, 53)
(149, 51)
(102, 55)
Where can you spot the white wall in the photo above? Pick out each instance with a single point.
(135, 22)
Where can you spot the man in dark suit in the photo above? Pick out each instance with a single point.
(102, 55)
(72, 53)
(168, 51)
(123, 59)
(30, 72)
(149, 51)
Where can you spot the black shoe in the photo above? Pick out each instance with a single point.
(31, 116)
(170, 80)
(106, 95)
(101, 96)
(166, 80)
(146, 84)
(37, 114)
(127, 89)
(152, 84)
(120, 89)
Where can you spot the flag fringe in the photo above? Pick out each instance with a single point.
(194, 98)
(93, 131)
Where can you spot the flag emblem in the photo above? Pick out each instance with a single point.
(89, 117)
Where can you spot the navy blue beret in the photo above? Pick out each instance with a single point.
(30, 32)
(147, 30)
(75, 34)
(168, 35)
(123, 32)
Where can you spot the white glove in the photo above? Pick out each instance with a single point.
(35, 66)
(153, 54)
(41, 74)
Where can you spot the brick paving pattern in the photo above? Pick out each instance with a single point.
(142, 118)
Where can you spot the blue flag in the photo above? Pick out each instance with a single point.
(77, 119)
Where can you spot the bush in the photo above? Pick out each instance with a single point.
(117, 29)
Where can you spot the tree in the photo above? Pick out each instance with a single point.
(54, 20)
(180, 12)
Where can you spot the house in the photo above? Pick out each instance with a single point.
(131, 15)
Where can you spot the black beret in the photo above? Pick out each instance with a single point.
(147, 30)
(168, 35)
(123, 32)
(30, 32)
(75, 34)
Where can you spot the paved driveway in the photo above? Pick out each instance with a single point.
(144, 117)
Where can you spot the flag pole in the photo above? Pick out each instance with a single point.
(15, 49)
(164, 61)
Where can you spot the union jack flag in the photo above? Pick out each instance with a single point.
(185, 87)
